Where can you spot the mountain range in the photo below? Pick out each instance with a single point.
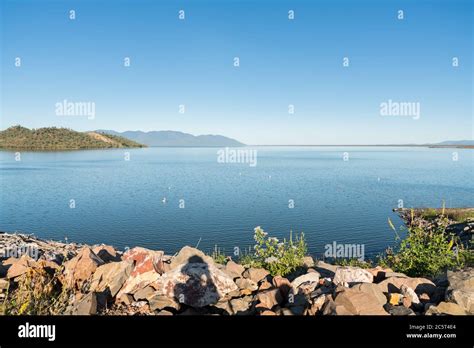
(174, 138)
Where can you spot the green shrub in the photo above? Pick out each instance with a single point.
(279, 258)
(219, 256)
(426, 251)
(354, 262)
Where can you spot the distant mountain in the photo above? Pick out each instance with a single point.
(172, 138)
(52, 138)
(456, 142)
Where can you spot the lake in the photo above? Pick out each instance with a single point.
(165, 198)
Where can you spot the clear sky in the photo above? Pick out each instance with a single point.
(282, 62)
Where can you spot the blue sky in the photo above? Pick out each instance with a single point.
(282, 62)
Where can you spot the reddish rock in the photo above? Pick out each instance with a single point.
(145, 260)
(420, 285)
(234, 268)
(19, 266)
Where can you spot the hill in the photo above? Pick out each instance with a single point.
(52, 138)
(178, 139)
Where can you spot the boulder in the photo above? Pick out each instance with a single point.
(317, 305)
(268, 313)
(234, 268)
(81, 268)
(256, 274)
(139, 281)
(197, 284)
(325, 269)
(19, 266)
(265, 285)
(246, 284)
(144, 293)
(399, 310)
(190, 255)
(4, 284)
(145, 260)
(308, 262)
(461, 289)
(111, 277)
(240, 305)
(351, 275)
(448, 308)
(283, 284)
(87, 305)
(420, 285)
(408, 292)
(269, 298)
(373, 290)
(358, 302)
(305, 283)
(158, 302)
(106, 252)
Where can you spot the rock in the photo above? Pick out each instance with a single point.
(269, 298)
(111, 277)
(373, 290)
(197, 284)
(379, 273)
(399, 310)
(267, 312)
(408, 292)
(325, 269)
(446, 308)
(306, 283)
(139, 281)
(224, 305)
(234, 268)
(81, 268)
(308, 262)
(395, 274)
(246, 284)
(420, 285)
(317, 305)
(127, 299)
(164, 312)
(256, 274)
(190, 255)
(406, 302)
(144, 293)
(86, 305)
(4, 284)
(145, 260)
(352, 275)
(424, 297)
(106, 252)
(283, 284)
(157, 302)
(461, 289)
(395, 299)
(358, 302)
(19, 266)
(240, 305)
(265, 285)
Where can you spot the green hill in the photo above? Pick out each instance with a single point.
(52, 138)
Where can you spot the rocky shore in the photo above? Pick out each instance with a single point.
(75, 279)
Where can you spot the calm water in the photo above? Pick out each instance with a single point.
(120, 202)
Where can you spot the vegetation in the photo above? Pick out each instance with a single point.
(219, 256)
(353, 262)
(458, 215)
(427, 250)
(52, 138)
(37, 293)
(279, 258)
